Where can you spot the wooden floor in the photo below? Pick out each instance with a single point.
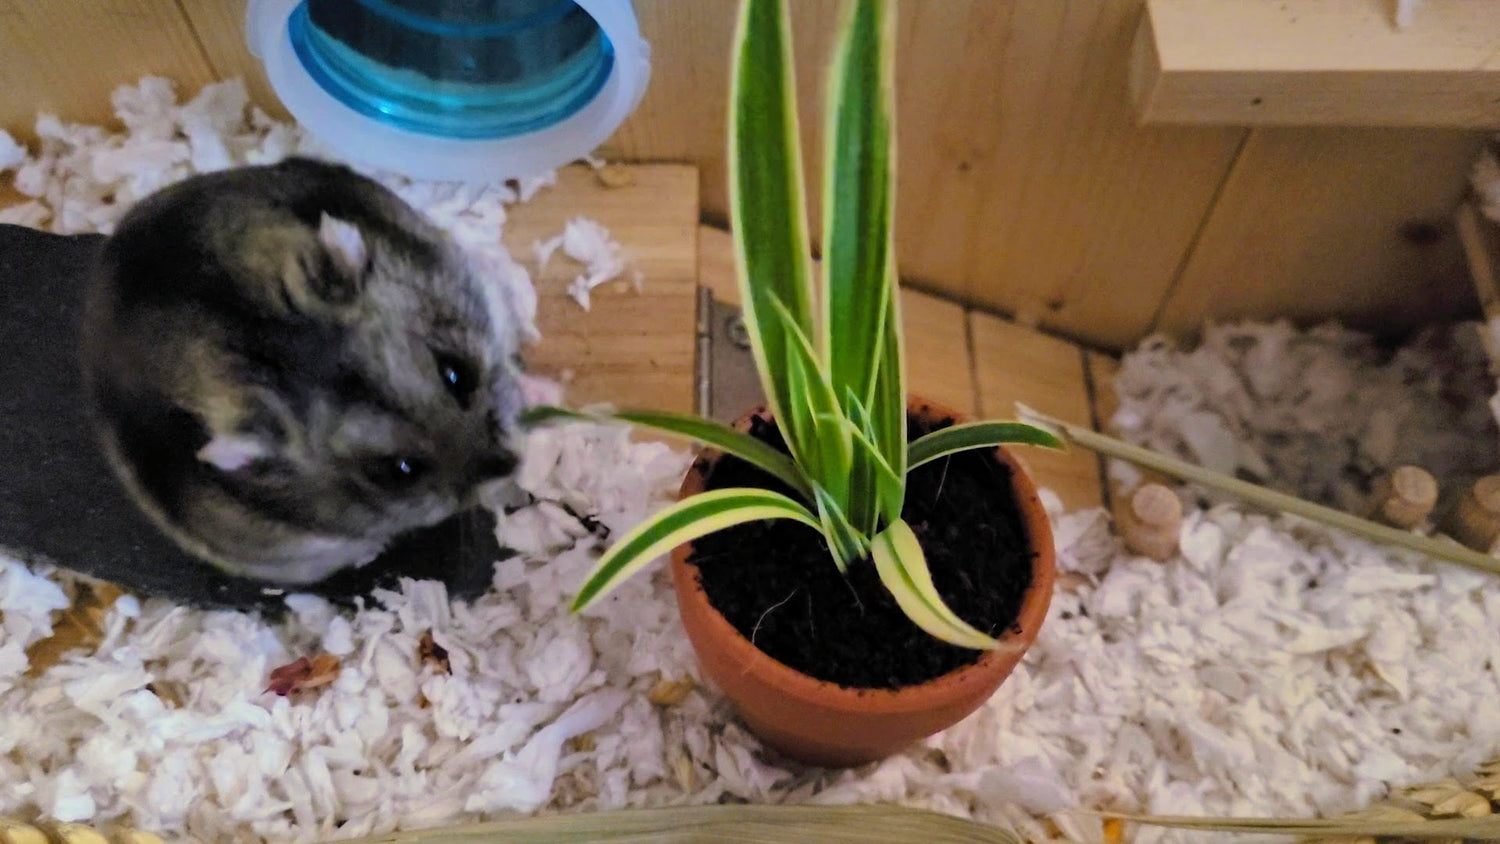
(637, 347)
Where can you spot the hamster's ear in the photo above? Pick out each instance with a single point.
(333, 274)
(345, 244)
(233, 452)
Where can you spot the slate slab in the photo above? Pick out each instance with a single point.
(60, 503)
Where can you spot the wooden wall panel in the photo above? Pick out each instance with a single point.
(1024, 185)
(67, 56)
(220, 25)
(1351, 223)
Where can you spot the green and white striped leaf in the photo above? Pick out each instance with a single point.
(844, 541)
(864, 488)
(707, 431)
(888, 405)
(883, 490)
(825, 450)
(684, 521)
(903, 569)
(767, 202)
(858, 196)
(973, 435)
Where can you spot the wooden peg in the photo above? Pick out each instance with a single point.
(1476, 519)
(1404, 498)
(1151, 522)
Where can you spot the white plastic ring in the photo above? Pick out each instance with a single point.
(364, 140)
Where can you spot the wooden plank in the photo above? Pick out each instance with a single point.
(1317, 62)
(67, 56)
(9, 195)
(220, 27)
(1349, 224)
(632, 347)
(716, 269)
(938, 363)
(1016, 364)
(1481, 241)
(1033, 192)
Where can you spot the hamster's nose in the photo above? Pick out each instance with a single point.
(496, 464)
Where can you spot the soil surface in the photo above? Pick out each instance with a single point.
(776, 582)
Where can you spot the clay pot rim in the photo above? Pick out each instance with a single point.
(907, 699)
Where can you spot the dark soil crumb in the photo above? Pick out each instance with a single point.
(777, 584)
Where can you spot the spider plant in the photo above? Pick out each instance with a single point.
(829, 355)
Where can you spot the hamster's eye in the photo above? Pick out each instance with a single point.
(393, 472)
(459, 378)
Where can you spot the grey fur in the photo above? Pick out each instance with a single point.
(264, 347)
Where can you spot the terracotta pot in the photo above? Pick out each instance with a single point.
(822, 723)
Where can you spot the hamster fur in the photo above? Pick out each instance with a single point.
(288, 366)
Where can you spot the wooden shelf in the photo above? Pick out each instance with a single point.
(1317, 63)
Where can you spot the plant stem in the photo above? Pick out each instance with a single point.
(1444, 548)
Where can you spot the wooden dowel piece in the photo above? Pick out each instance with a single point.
(1476, 519)
(1151, 523)
(1404, 498)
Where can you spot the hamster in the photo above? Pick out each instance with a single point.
(288, 366)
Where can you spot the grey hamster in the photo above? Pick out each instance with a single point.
(288, 366)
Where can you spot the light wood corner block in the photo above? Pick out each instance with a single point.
(1317, 63)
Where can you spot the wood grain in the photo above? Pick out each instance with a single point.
(1016, 364)
(939, 363)
(1318, 62)
(67, 56)
(1029, 191)
(634, 348)
(9, 195)
(1024, 184)
(220, 26)
(1333, 223)
(1032, 192)
(716, 269)
(1480, 237)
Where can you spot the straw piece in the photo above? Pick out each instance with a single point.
(1476, 520)
(723, 824)
(1441, 549)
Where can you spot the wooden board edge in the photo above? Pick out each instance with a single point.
(1480, 237)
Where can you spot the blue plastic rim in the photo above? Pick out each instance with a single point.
(462, 69)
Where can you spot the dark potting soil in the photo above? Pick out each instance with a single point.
(777, 584)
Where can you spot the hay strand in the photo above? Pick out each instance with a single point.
(1443, 548)
(730, 824)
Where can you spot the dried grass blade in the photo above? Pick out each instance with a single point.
(744, 824)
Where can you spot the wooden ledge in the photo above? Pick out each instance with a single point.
(1317, 63)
